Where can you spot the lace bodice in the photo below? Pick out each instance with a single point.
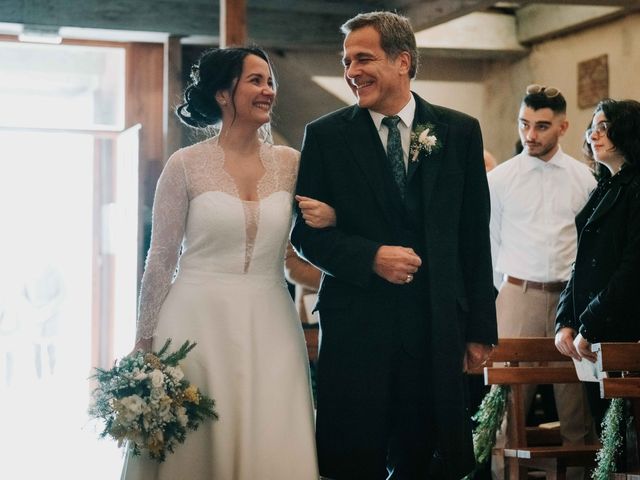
(200, 222)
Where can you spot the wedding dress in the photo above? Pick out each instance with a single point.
(229, 295)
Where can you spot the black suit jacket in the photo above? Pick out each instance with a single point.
(344, 164)
(601, 299)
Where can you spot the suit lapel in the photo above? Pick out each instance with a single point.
(367, 151)
(429, 163)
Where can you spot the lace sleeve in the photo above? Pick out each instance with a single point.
(169, 217)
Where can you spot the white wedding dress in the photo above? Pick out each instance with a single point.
(230, 297)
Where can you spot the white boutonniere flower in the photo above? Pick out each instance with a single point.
(423, 139)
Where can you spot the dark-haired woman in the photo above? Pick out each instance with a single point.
(601, 301)
(222, 214)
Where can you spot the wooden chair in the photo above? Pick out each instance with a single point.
(621, 363)
(520, 454)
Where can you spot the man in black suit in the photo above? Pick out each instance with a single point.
(406, 302)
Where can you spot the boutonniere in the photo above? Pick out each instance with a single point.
(423, 139)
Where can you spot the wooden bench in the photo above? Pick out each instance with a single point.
(621, 364)
(520, 454)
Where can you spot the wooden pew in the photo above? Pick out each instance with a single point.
(621, 363)
(519, 454)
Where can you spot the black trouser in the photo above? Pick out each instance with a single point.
(374, 399)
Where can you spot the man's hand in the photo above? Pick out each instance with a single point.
(396, 264)
(564, 343)
(476, 355)
(584, 348)
(316, 214)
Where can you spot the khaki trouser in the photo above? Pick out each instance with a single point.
(527, 312)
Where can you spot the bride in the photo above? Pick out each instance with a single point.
(221, 217)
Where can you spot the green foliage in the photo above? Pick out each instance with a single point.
(611, 440)
(145, 401)
(488, 419)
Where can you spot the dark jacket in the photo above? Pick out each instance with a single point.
(602, 298)
(344, 164)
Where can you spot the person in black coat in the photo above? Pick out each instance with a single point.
(601, 303)
(406, 300)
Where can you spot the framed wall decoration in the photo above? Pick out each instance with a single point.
(593, 81)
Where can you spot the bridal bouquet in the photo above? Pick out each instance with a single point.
(146, 401)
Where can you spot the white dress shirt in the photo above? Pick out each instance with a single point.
(404, 125)
(533, 209)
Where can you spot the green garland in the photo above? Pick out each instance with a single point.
(491, 412)
(488, 420)
(611, 440)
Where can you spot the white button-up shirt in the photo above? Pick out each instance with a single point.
(533, 209)
(404, 125)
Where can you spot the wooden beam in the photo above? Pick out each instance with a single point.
(529, 375)
(618, 356)
(628, 387)
(527, 349)
(144, 97)
(233, 22)
(174, 89)
(539, 22)
(171, 16)
(600, 3)
(144, 104)
(434, 12)
(476, 35)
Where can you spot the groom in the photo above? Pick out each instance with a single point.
(406, 302)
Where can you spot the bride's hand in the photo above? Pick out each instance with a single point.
(143, 344)
(316, 214)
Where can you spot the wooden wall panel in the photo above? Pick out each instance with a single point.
(145, 104)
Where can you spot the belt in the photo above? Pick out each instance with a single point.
(545, 286)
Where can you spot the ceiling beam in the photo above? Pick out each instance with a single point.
(170, 16)
(476, 35)
(300, 26)
(540, 22)
(596, 3)
(429, 13)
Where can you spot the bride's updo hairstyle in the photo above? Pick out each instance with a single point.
(216, 69)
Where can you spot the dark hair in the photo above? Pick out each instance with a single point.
(396, 34)
(216, 69)
(623, 117)
(541, 99)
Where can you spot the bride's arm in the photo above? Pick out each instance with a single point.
(169, 217)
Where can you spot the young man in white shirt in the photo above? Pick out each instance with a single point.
(535, 197)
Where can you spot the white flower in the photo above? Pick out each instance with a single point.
(153, 420)
(175, 373)
(131, 407)
(423, 139)
(157, 378)
(426, 139)
(139, 376)
(181, 415)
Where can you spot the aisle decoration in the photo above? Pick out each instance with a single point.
(611, 439)
(488, 420)
(145, 401)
